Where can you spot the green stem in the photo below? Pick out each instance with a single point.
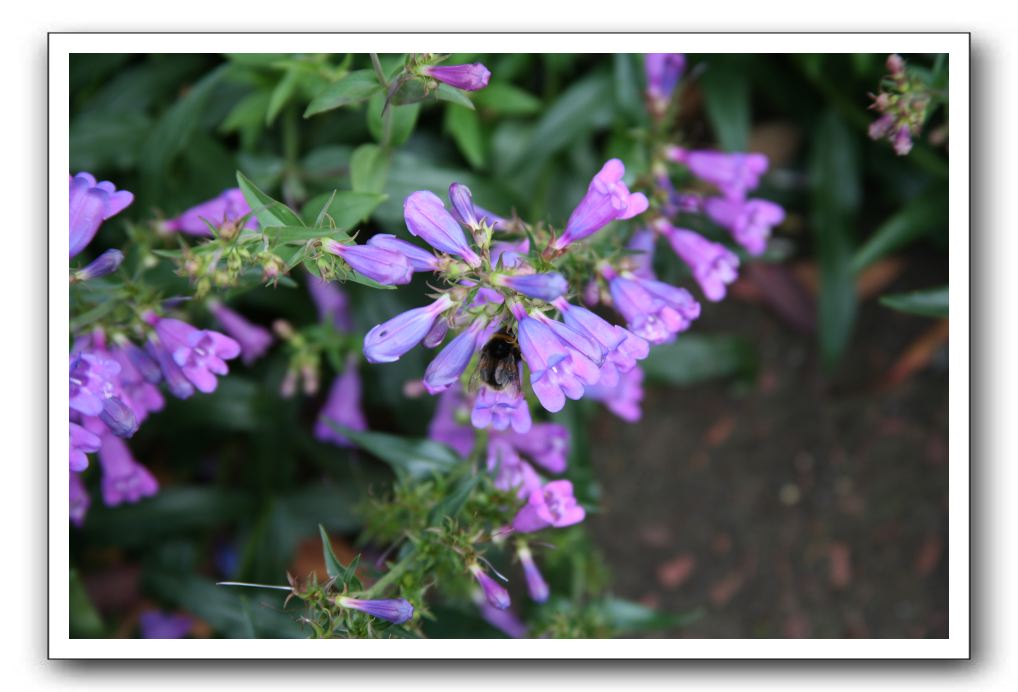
(394, 573)
(377, 64)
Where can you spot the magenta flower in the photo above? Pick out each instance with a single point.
(503, 620)
(653, 310)
(623, 399)
(733, 174)
(501, 409)
(332, 303)
(881, 127)
(469, 214)
(95, 391)
(469, 77)
(83, 442)
(420, 259)
(229, 205)
(902, 140)
(713, 265)
(749, 221)
(607, 199)
(138, 372)
(254, 340)
(395, 610)
(508, 255)
(428, 219)
(448, 425)
(510, 471)
(642, 245)
(124, 479)
(201, 354)
(494, 592)
(178, 384)
(386, 342)
(381, 265)
(155, 624)
(547, 444)
(91, 204)
(541, 286)
(447, 367)
(552, 505)
(536, 585)
(103, 265)
(663, 72)
(622, 347)
(79, 500)
(342, 406)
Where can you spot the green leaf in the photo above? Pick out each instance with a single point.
(836, 181)
(922, 215)
(626, 86)
(627, 616)
(356, 87)
(453, 95)
(397, 124)
(414, 457)
(333, 566)
(248, 112)
(465, 128)
(503, 98)
(289, 235)
(369, 168)
(929, 303)
(455, 500)
(725, 87)
(695, 358)
(281, 94)
(347, 208)
(84, 620)
(268, 211)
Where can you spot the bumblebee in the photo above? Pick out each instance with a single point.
(499, 364)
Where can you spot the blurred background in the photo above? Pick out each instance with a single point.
(789, 475)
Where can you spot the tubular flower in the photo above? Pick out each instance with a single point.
(124, 479)
(254, 340)
(557, 370)
(378, 264)
(229, 206)
(386, 342)
(749, 221)
(510, 471)
(552, 505)
(547, 444)
(623, 399)
(494, 592)
(428, 219)
(103, 265)
(653, 310)
(91, 204)
(501, 409)
(607, 199)
(452, 360)
(541, 286)
(622, 347)
(537, 587)
(713, 265)
(395, 610)
(83, 441)
(200, 354)
(155, 624)
(332, 303)
(471, 77)
(449, 424)
(342, 406)
(503, 620)
(79, 500)
(733, 174)
(420, 259)
(663, 72)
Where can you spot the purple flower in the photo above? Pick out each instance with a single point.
(124, 479)
(663, 72)
(536, 585)
(511, 472)
(176, 381)
(624, 398)
(448, 424)
(713, 265)
(254, 340)
(541, 286)
(386, 342)
(230, 205)
(546, 444)
(552, 505)
(436, 335)
(199, 353)
(155, 624)
(733, 174)
(103, 265)
(881, 127)
(902, 141)
(79, 500)
(381, 265)
(420, 259)
(395, 610)
(494, 592)
(622, 347)
(509, 254)
(654, 310)
(83, 441)
(91, 382)
(501, 409)
(91, 204)
(502, 620)
(469, 77)
(642, 244)
(342, 406)
(428, 219)
(607, 199)
(557, 369)
(469, 214)
(451, 361)
(750, 221)
(332, 303)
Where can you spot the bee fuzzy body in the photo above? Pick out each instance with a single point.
(499, 364)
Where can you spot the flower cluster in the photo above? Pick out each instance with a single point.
(903, 103)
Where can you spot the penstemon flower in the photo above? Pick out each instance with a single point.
(470, 77)
(228, 207)
(199, 354)
(124, 479)
(494, 592)
(342, 406)
(254, 340)
(79, 500)
(395, 610)
(155, 624)
(537, 587)
(750, 221)
(713, 265)
(550, 506)
(607, 199)
(663, 72)
(623, 399)
(377, 263)
(83, 441)
(654, 310)
(733, 174)
(103, 265)
(91, 204)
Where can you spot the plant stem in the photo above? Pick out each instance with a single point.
(394, 573)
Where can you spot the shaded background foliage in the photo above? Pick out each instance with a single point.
(244, 485)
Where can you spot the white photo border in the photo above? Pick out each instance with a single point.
(956, 45)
